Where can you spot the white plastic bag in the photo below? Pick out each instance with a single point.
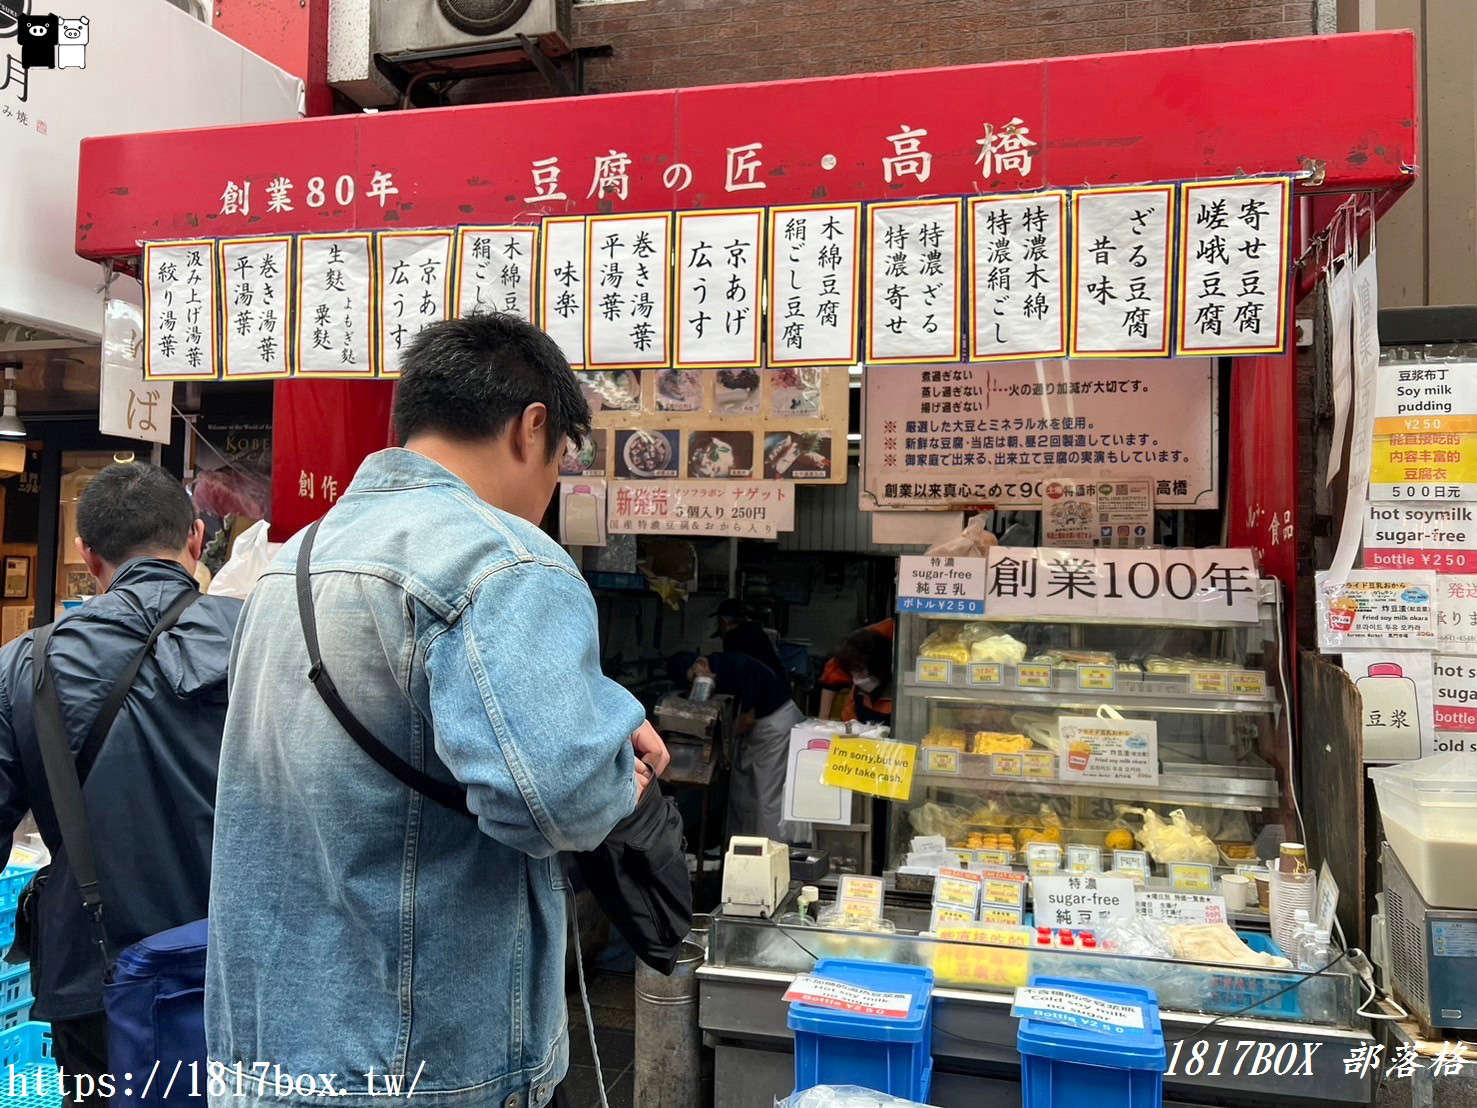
(844, 1096)
(973, 542)
(249, 559)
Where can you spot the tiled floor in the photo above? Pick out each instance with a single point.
(611, 1001)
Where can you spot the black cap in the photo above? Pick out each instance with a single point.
(732, 608)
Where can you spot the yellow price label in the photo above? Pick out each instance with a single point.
(1032, 677)
(1009, 894)
(1095, 677)
(872, 766)
(986, 673)
(1191, 877)
(1248, 683)
(935, 671)
(1006, 765)
(1040, 764)
(1213, 682)
(994, 913)
(992, 857)
(940, 760)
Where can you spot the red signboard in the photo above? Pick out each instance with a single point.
(1157, 115)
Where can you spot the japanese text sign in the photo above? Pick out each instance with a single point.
(256, 307)
(720, 258)
(814, 284)
(335, 306)
(628, 267)
(563, 285)
(1018, 280)
(1121, 271)
(1377, 609)
(415, 270)
(1425, 432)
(913, 264)
(1109, 751)
(1076, 1010)
(1233, 267)
(1182, 907)
(129, 406)
(954, 585)
(753, 510)
(1081, 901)
(179, 311)
(496, 270)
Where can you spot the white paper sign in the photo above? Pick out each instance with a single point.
(1018, 279)
(808, 799)
(826, 993)
(128, 405)
(256, 307)
(335, 306)
(496, 270)
(628, 263)
(748, 509)
(1182, 907)
(1109, 751)
(1081, 901)
(913, 269)
(1456, 614)
(1399, 713)
(1068, 512)
(1121, 273)
(719, 261)
(1425, 432)
(415, 271)
(1435, 536)
(1372, 609)
(1233, 267)
(953, 585)
(581, 511)
(1454, 689)
(179, 311)
(814, 284)
(1076, 1010)
(562, 285)
(1341, 358)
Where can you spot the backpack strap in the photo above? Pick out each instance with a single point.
(447, 795)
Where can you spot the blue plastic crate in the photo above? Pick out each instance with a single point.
(885, 1054)
(15, 984)
(1068, 1067)
(12, 880)
(1252, 990)
(28, 1076)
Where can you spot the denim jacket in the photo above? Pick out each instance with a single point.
(358, 928)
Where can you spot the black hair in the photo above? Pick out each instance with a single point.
(134, 509)
(678, 665)
(470, 378)
(868, 650)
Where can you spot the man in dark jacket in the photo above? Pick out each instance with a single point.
(150, 797)
(743, 634)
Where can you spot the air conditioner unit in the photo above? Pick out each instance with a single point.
(440, 35)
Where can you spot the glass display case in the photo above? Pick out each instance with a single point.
(1161, 736)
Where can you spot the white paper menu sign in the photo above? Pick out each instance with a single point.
(814, 284)
(1233, 267)
(1081, 901)
(1182, 907)
(1018, 276)
(179, 311)
(335, 305)
(1109, 751)
(823, 992)
(415, 273)
(720, 258)
(627, 316)
(1377, 610)
(256, 302)
(496, 270)
(1076, 1010)
(1121, 272)
(129, 406)
(913, 269)
(562, 285)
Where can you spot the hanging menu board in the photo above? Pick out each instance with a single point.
(1233, 267)
(627, 318)
(179, 311)
(720, 257)
(1121, 272)
(913, 267)
(1018, 281)
(814, 284)
(256, 301)
(1425, 436)
(562, 285)
(415, 289)
(336, 305)
(496, 270)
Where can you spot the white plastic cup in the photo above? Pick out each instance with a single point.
(1237, 891)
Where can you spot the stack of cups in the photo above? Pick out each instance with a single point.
(1294, 886)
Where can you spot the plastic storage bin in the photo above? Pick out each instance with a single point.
(15, 984)
(33, 1082)
(1068, 1067)
(1234, 990)
(888, 1054)
(1430, 812)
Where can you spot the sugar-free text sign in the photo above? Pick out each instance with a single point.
(871, 766)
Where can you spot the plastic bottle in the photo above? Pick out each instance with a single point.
(1316, 951)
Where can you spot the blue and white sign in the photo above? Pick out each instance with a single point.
(943, 586)
(1075, 1010)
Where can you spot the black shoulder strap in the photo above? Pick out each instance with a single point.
(64, 774)
(447, 795)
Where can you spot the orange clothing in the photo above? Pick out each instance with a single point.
(836, 678)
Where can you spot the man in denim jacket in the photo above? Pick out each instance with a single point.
(357, 928)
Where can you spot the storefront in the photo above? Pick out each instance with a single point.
(1064, 289)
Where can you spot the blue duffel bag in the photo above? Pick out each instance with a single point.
(155, 1003)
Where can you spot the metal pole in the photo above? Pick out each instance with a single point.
(668, 1043)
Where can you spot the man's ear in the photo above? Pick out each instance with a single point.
(196, 546)
(90, 559)
(533, 430)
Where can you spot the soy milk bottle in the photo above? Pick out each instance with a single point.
(1392, 729)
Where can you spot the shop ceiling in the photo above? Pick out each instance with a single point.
(1337, 111)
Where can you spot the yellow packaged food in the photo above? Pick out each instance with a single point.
(949, 737)
(1119, 839)
(999, 742)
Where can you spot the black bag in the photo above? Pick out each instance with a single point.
(638, 875)
(65, 783)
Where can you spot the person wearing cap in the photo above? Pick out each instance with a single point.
(743, 634)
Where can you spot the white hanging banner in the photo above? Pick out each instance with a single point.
(628, 317)
(496, 270)
(720, 259)
(128, 405)
(1121, 271)
(256, 300)
(179, 311)
(913, 271)
(1018, 279)
(814, 284)
(562, 285)
(415, 289)
(1233, 266)
(1361, 450)
(1341, 358)
(335, 305)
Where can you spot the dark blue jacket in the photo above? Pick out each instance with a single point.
(151, 794)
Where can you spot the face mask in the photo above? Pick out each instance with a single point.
(867, 684)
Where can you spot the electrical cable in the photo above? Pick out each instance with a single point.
(579, 972)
